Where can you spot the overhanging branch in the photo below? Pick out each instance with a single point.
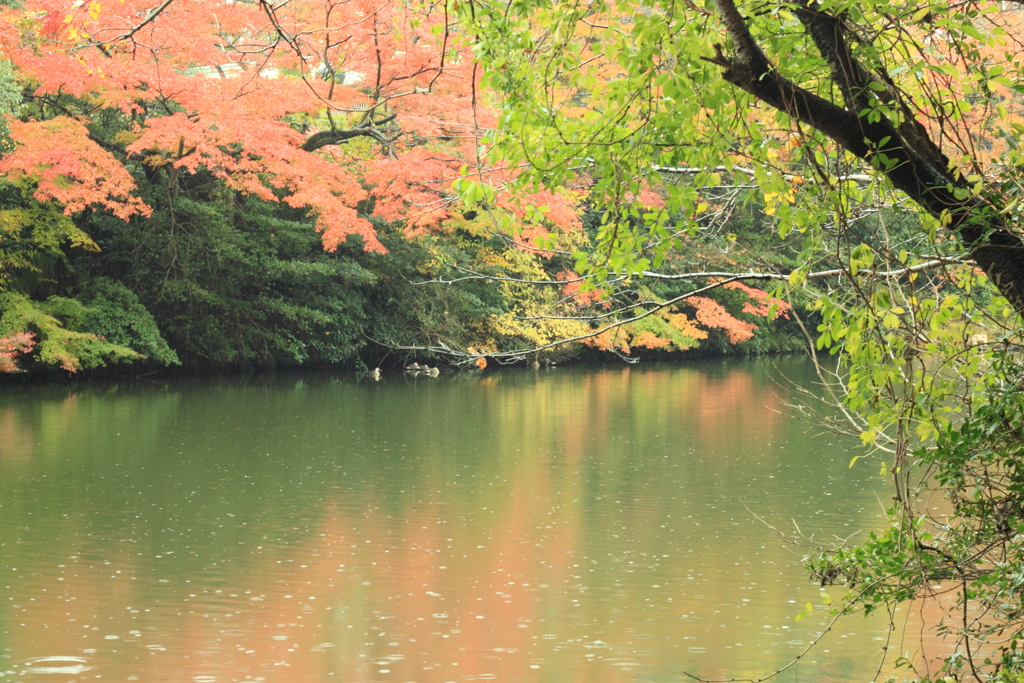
(719, 279)
(369, 128)
(901, 151)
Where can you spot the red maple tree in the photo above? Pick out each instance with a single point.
(344, 107)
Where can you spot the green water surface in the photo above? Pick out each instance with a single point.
(524, 526)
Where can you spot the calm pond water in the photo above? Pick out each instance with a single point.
(559, 525)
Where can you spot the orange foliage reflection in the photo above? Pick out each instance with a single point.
(552, 526)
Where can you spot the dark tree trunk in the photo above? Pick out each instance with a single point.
(902, 151)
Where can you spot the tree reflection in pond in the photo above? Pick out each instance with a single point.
(519, 526)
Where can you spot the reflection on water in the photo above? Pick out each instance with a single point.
(523, 526)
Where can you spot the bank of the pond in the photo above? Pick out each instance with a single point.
(390, 362)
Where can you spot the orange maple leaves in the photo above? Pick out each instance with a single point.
(710, 313)
(662, 329)
(235, 89)
(574, 290)
(70, 168)
(760, 303)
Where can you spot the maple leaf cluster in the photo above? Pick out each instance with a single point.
(574, 289)
(13, 346)
(710, 313)
(760, 303)
(69, 168)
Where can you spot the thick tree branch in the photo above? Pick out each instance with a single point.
(333, 137)
(902, 151)
(863, 89)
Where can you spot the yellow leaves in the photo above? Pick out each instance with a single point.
(44, 226)
(155, 160)
(93, 9)
(76, 33)
(648, 339)
(12, 221)
(125, 137)
(530, 316)
(686, 326)
(773, 199)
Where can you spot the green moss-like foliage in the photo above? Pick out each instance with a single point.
(115, 313)
(57, 323)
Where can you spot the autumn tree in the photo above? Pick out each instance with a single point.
(345, 110)
(884, 138)
(314, 101)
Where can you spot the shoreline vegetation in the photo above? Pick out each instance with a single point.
(392, 367)
(224, 282)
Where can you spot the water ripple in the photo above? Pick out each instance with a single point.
(57, 665)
